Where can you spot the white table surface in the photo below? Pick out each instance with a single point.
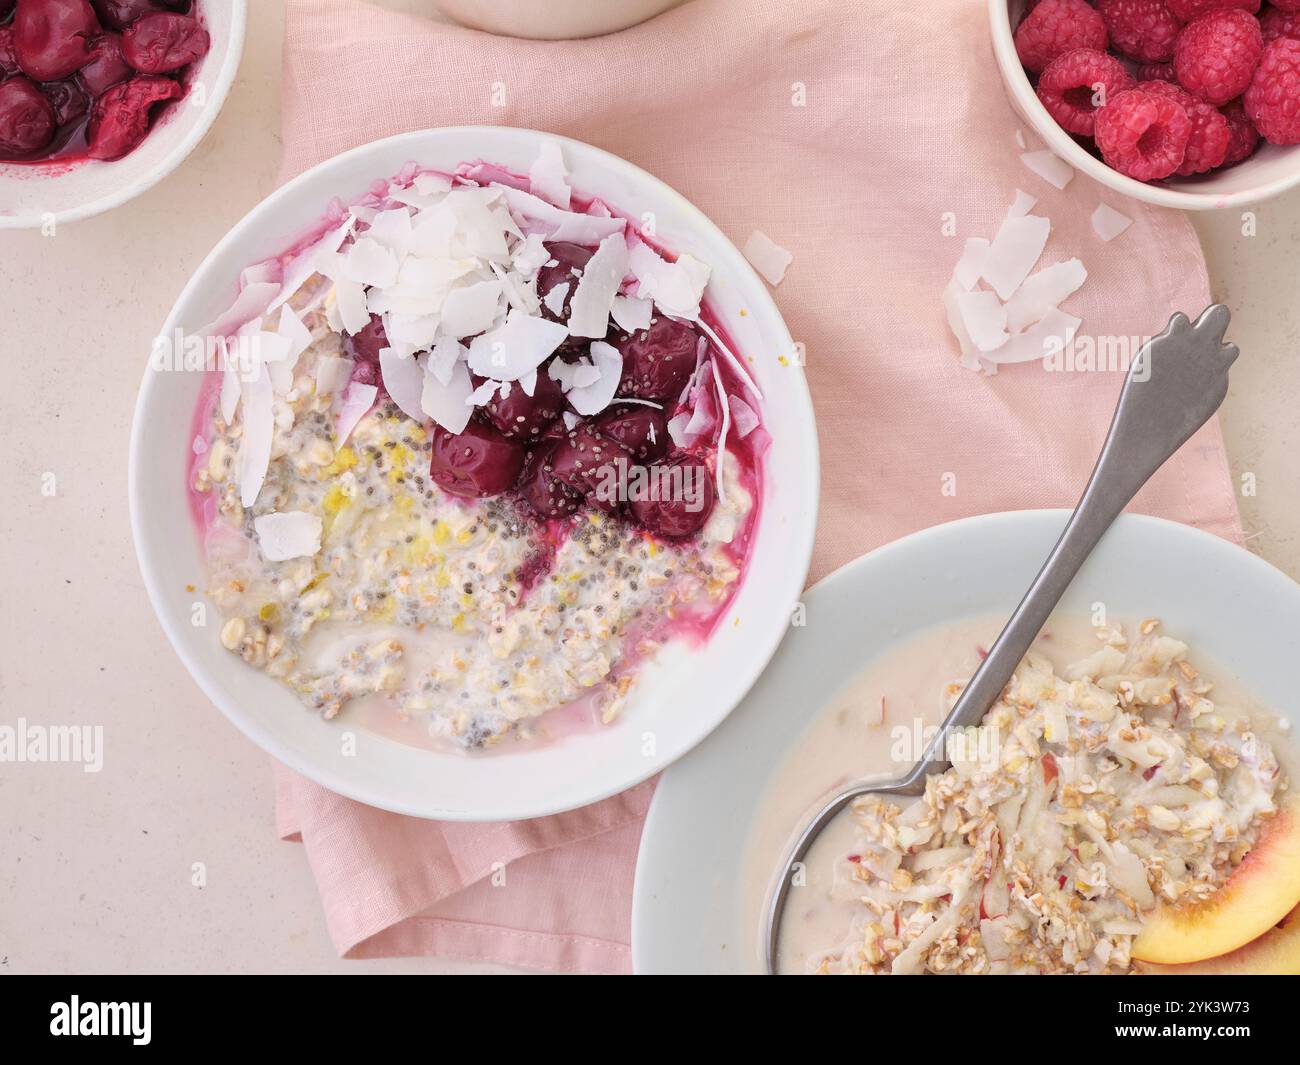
(95, 868)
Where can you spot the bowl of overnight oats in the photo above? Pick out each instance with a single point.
(1126, 806)
(102, 99)
(486, 461)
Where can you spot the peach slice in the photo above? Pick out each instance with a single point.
(1275, 953)
(1262, 890)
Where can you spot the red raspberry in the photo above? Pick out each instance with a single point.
(1143, 134)
(1186, 10)
(1217, 55)
(1156, 72)
(1211, 135)
(1273, 99)
(1243, 134)
(1141, 29)
(1055, 27)
(1275, 23)
(1073, 81)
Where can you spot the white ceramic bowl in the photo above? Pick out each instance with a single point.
(1271, 170)
(679, 699)
(32, 196)
(696, 911)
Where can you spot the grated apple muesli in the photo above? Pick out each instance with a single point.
(1078, 804)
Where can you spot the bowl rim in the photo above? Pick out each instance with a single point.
(900, 553)
(789, 584)
(221, 86)
(1060, 142)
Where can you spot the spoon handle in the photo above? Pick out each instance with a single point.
(1176, 382)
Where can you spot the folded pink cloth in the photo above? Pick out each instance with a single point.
(849, 134)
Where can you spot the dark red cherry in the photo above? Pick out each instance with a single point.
(107, 66)
(119, 121)
(366, 345)
(8, 60)
(688, 498)
(476, 462)
(520, 415)
(581, 457)
(658, 361)
(567, 257)
(6, 9)
(119, 14)
(640, 431)
(69, 99)
(542, 490)
(163, 42)
(27, 119)
(52, 37)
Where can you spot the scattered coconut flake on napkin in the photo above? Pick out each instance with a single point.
(1016, 318)
(767, 257)
(1049, 166)
(1108, 223)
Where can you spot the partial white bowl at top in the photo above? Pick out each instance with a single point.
(680, 697)
(1270, 171)
(36, 195)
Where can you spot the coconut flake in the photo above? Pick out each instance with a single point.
(1049, 166)
(472, 309)
(554, 300)
(283, 535)
(676, 287)
(295, 332)
(744, 416)
(722, 433)
(985, 319)
(307, 263)
(1020, 140)
(403, 381)
(251, 303)
(408, 333)
(530, 256)
(632, 314)
(601, 279)
(1022, 204)
(732, 360)
(571, 420)
(970, 266)
(259, 434)
(443, 357)
(350, 298)
(1108, 223)
(444, 401)
(767, 257)
(970, 356)
(422, 286)
(484, 393)
(587, 230)
(1042, 292)
(357, 401)
(677, 429)
(230, 387)
(592, 398)
(1014, 251)
(333, 374)
(370, 263)
(1050, 335)
(477, 228)
(547, 177)
(519, 346)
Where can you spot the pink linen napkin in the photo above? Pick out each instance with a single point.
(849, 134)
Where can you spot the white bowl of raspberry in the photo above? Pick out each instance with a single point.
(1192, 104)
(405, 548)
(102, 99)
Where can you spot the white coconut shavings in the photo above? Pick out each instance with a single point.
(585, 229)
(307, 263)
(333, 374)
(1020, 140)
(732, 360)
(484, 393)
(370, 263)
(357, 401)
(230, 384)
(408, 334)
(554, 300)
(1108, 223)
(252, 302)
(676, 287)
(1016, 248)
(288, 534)
(722, 432)
(630, 313)
(744, 416)
(350, 297)
(592, 398)
(445, 401)
(593, 299)
(1041, 293)
(677, 429)
(767, 257)
(471, 309)
(548, 177)
(404, 381)
(571, 420)
(985, 319)
(1019, 320)
(1049, 166)
(258, 436)
(519, 346)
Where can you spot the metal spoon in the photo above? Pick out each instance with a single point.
(1176, 381)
